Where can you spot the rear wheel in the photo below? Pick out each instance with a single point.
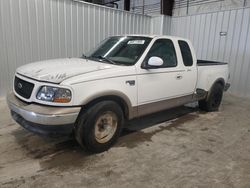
(98, 128)
(213, 101)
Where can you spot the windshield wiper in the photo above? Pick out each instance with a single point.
(106, 59)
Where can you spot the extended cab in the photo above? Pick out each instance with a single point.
(123, 78)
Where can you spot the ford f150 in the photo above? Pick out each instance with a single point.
(124, 77)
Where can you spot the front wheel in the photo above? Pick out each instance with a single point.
(213, 101)
(98, 128)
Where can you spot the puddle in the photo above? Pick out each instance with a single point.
(67, 158)
(132, 136)
(61, 153)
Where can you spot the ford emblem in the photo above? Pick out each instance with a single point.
(19, 85)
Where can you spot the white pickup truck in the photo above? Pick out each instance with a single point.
(123, 78)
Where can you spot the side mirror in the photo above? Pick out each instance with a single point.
(153, 63)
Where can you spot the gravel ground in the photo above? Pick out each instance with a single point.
(182, 147)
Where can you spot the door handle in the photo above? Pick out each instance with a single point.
(130, 82)
(178, 77)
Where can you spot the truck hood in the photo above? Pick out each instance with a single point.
(58, 70)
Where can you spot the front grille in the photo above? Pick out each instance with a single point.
(23, 88)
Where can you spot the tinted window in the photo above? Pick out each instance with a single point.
(186, 53)
(164, 48)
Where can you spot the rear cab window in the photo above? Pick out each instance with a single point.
(186, 53)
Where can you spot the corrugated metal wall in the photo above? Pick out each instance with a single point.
(204, 31)
(32, 30)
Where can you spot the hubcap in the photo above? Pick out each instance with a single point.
(105, 127)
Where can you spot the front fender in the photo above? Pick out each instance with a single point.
(88, 91)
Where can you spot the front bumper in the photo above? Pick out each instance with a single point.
(42, 119)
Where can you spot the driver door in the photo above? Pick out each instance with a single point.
(156, 85)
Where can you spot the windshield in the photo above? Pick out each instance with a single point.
(120, 49)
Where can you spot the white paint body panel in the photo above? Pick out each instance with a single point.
(87, 79)
(58, 70)
(163, 83)
(207, 75)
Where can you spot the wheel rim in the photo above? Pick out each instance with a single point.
(105, 127)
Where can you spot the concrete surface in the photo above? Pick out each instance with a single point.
(197, 149)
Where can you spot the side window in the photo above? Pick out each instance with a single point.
(186, 53)
(163, 48)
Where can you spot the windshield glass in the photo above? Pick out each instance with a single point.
(120, 49)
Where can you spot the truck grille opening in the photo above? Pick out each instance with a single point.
(23, 88)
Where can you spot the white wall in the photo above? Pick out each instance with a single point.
(204, 31)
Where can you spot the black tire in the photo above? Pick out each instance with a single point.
(85, 126)
(213, 100)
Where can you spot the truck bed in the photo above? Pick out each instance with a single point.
(207, 63)
(209, 72)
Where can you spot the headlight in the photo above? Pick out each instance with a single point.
(54, 94)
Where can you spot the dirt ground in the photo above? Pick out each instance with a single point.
(182, 147)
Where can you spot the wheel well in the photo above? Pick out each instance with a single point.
(121, 102)
(220, 81)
